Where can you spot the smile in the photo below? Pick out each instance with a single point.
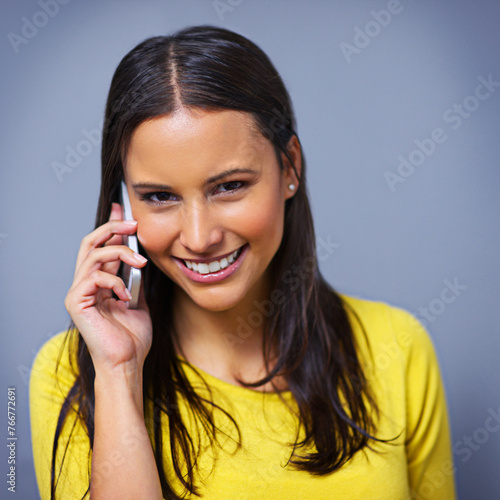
(214, 265)
(214, 270)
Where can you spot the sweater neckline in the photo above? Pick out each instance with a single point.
(228, 387)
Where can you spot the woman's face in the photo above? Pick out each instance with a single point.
(209, 198)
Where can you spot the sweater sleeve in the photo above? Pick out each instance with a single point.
(47, 393)
(428, 443)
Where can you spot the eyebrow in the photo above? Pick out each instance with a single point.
(210, 180)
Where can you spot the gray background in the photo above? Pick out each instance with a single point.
(354, 120)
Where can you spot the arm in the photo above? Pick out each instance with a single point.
(428, 444)
(123, 464)
(118, 340)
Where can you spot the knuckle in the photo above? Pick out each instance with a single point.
(91, 254)
(95, 275)
(94, 255)
(86, 239)
(67, 303)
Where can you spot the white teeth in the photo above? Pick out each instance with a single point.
(203, 268)
(231, 258)
(212, 267)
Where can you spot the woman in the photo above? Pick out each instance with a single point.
(242, 374)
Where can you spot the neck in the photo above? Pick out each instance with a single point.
(225, 344)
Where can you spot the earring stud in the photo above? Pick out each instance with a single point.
(291, 187)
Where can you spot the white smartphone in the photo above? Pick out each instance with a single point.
(130, 275)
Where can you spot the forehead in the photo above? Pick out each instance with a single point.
(196, 140)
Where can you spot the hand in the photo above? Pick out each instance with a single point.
(115, 335)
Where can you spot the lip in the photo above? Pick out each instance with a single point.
(213, 277)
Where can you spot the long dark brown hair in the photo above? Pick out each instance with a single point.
(211, 68)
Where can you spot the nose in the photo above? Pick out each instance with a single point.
(200, 229)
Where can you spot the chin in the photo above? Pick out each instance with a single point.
(216, 302)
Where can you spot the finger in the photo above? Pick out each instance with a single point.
(116, 214)
(98, 257)
(117, 239)
(86, 293)
(99, 236)
(111, 267)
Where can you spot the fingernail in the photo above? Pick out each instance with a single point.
(130, 222)
(139, 257)
(128, 294)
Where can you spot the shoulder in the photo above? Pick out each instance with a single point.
(400, 363)
(403, 368)
(384, 324)
(379, 312)
(393, 345)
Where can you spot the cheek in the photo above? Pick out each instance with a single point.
(260, 219)
(155, 233)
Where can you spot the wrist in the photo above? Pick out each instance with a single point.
(119, 383)
(130, 372)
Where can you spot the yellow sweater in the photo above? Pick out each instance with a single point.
(403, 371)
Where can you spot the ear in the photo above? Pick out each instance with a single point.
(289, 176)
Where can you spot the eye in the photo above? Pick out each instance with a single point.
(227, 187)
(158, 198)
